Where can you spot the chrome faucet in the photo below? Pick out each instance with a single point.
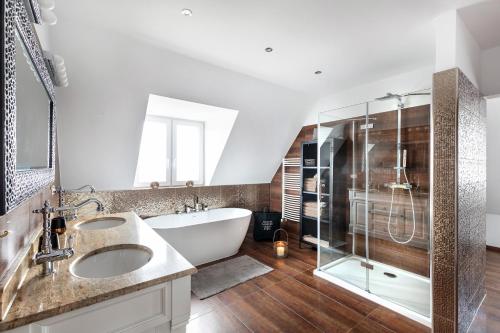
(74, 209)
(188, 209)
(48, 255)
(197, 206)
(196, 202)
(61, 191)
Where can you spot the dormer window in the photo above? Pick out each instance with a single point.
(181, 141)
(171, 152)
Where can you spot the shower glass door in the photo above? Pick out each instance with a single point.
(343, 255)
(377, 233)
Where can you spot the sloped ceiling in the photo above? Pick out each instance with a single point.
(100, 114)
(483, 21)
(119, 51)
(351, 42)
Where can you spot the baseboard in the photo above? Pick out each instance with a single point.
(492, 248)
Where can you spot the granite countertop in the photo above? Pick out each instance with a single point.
(42, 297)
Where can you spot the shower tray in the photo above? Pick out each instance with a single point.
(406, 289)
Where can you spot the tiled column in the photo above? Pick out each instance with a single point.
(459, 203)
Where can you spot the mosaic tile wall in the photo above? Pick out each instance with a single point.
(459, 223)
(471, 227)
(149, 202)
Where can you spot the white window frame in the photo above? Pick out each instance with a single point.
(168, 172)
(171, 168)
(201, 126)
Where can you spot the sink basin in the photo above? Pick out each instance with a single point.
(111, 261)
(101, 223)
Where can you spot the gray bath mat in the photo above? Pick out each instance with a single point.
(213, 279)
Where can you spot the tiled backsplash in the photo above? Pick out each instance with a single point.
(151, 202)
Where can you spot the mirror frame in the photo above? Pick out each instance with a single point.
(17, 186)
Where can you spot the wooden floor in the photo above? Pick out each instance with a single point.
(488, 317)
(291, 299)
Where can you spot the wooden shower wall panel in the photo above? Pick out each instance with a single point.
(416, 137)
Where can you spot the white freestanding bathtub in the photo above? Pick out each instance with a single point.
(203, 237)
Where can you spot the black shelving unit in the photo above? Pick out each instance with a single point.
(309, 224)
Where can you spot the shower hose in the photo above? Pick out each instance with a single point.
(412, 210)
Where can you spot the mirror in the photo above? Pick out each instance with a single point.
(32, 113)
(28, 111)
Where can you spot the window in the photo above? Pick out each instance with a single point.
(171, 152)
(187, 151)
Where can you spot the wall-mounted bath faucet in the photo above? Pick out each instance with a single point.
(47, 254)
(197, 206)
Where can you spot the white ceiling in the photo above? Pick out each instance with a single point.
(483, 21)
(352, 42)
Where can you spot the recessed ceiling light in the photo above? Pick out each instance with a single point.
(318, 72)
(268, 49)
(187, 12)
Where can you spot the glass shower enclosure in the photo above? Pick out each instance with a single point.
(374, 211)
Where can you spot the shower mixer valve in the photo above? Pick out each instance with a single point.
(404, 186)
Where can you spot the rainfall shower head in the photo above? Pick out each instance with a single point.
(389, 96)
(418, 94)
(399, 97)
(401, 105)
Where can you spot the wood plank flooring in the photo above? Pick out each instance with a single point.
(488, 316)
(291, 299)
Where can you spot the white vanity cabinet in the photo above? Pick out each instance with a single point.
(162, 308)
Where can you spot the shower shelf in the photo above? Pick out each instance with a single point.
(316, 193)
(315, 168)
(322, 173)
(315, 219)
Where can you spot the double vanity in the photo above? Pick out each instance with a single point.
(122, 277)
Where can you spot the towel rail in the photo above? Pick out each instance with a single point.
(290, 203)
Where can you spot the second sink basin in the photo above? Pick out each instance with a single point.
(111, 261)
(101, 223)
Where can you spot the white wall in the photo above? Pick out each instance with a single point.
(493, 174)
(407, 82)
(456, 47)
(100, 114)
(490, 71)
(445, 27)
(493, 230)
(493, 157)
(468, 53)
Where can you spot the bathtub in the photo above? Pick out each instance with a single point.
(203, 237)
